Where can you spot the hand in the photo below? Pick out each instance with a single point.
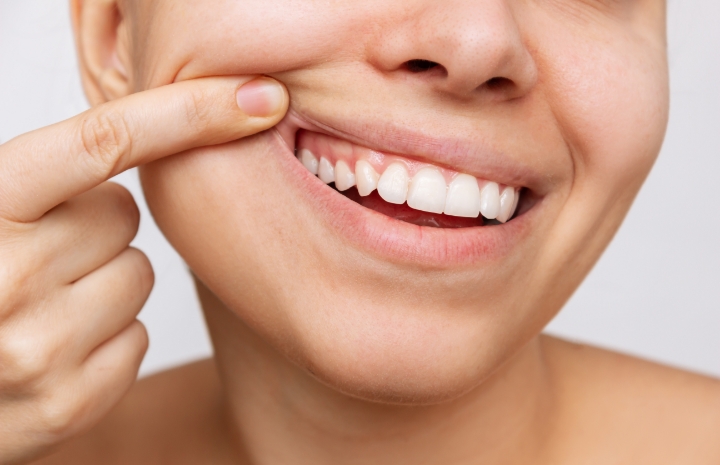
(70, 285)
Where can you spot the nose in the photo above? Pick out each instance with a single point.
(461, 47)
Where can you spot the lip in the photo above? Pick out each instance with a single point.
(470, 157)
(387, 238)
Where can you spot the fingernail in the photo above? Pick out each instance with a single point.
(260, 97)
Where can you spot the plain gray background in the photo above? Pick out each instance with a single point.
(655, 293)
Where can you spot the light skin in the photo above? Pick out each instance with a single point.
(344, 336)
(70, 344)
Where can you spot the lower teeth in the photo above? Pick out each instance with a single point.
(404, 213)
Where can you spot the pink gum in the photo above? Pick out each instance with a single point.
(335, 150)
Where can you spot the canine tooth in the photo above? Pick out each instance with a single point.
(507, 200)
(393, 184)
(309, 161)
(366, 178)
(326, 172)
(463, 197)
(344, 177)
(490, 200)
(427, 191)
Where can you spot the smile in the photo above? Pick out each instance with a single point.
(429, 207)
(435, 196)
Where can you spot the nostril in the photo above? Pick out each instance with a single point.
(419, 66)
(498, 83)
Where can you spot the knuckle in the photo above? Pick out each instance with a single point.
(197, 106)
(60, 415)
(125, 205)
(17, 282)
(24, 361)
(106, 141)
(142, 342)
(11, 284)
(142, 270)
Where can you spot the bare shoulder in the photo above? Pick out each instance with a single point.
(639, 409)
(172, 417)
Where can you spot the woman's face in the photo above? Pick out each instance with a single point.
(565, 99)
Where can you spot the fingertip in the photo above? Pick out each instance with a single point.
(263, 97)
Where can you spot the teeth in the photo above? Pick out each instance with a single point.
(344, 177)
(393, 184)
(507, 200)
(515, 203)
(309, 161)
(326, 172)
(427, 191)
(463, 197)
(367, 178)
(490, 200)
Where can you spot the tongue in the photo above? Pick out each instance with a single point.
(407, 214)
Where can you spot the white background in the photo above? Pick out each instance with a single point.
(655, 293)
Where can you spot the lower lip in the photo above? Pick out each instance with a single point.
(397, 241)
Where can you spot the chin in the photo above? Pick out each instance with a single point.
(404, 369)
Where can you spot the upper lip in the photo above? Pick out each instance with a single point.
(461, 155)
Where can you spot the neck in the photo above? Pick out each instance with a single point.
(280, 413)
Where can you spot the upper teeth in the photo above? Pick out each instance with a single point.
(367, 178)
(426, 191)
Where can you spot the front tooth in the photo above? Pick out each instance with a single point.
(366, 177)
(507, 200)
(326, 172)
(393, 184)
(344, 177)
(427, 191)
(490, 200)
(463, 197)
(309, 161)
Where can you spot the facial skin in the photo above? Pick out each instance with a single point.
(567, 98)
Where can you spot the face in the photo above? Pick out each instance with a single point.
(561, 103)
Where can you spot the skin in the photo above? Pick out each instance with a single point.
(330, 350)
(70, 345)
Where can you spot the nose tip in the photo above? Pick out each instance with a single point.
(488, 62)
(463, 48)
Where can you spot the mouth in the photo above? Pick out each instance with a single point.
(451, 215)
(415, 192)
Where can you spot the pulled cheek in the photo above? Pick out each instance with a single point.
(209, 192)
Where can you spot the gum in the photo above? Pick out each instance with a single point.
(335, 150)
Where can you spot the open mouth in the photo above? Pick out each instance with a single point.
(415, 192)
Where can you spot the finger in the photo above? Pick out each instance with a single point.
(41, 169)
(99, 384)
(62, 331)
(83, 233)
(107, 300)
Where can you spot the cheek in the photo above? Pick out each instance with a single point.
(225, 211)
(612, 103)
(609, 94)
(225, 37)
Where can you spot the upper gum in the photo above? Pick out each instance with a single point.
(334, 150)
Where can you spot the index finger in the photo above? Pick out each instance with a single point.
(43, 168)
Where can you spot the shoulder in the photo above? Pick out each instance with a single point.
(172, 417)
(640, 409)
